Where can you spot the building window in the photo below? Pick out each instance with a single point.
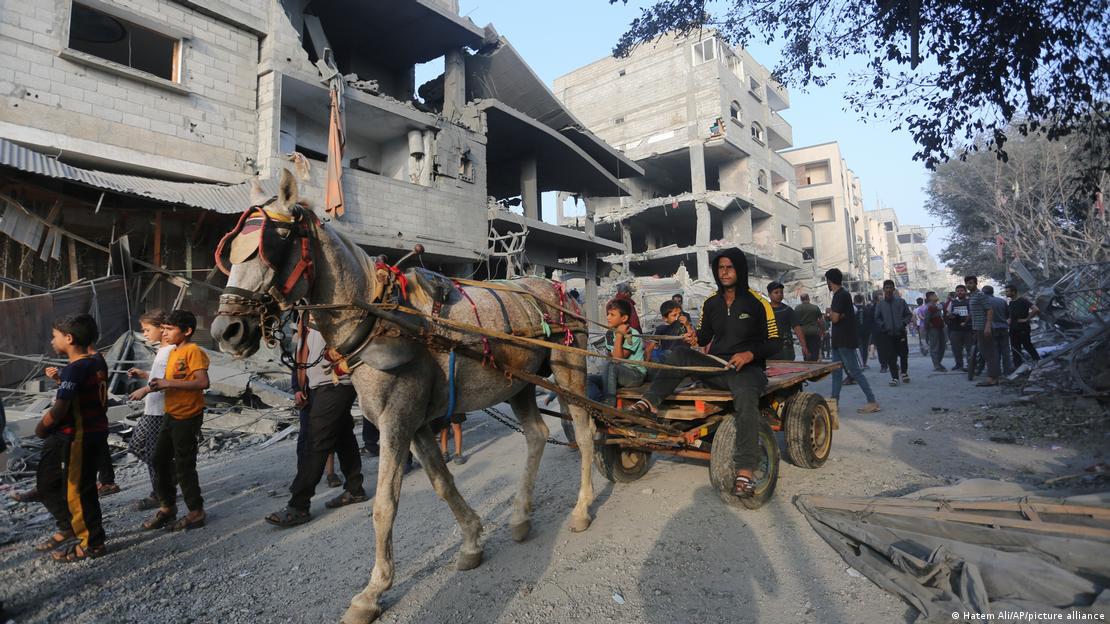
(120, 41)
(755, 88)
(705, 50)
(785, 234)
(466, 167)
(757, 132)
(620, 72)
(618, 121)
(888, 226)
(807, 253)
(822, 210)
(903, 238)
(761, 180)
(735, 112)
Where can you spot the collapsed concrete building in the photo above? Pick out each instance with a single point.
(129, 130)
(702, 120)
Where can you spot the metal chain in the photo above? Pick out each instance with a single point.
(500, 417)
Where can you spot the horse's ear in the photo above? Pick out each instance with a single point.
(258, 195)
(287, 193)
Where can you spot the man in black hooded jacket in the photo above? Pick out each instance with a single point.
(738, 325)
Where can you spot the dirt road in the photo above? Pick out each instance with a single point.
(663, 549)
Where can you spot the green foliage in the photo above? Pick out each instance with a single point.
(954, 73)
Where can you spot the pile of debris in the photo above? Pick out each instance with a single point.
(249, 402)
(1074, 335)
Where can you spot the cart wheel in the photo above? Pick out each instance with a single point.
(807, 425)
(722, 470)
(621, 465)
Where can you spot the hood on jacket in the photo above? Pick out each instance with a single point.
(740, 261)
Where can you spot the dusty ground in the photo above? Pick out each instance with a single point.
(663, 549)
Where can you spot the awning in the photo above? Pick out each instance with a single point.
(223, 198)
(562, 166)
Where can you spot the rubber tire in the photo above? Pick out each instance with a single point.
(722, 470)
(621, 465)
(804, 413)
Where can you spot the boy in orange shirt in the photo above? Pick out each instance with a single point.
(175, 453)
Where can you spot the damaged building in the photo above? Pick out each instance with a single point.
(702, 120)
(130, 130)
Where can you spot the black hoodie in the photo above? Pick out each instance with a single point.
(747, 325)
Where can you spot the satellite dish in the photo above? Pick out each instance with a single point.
(95, 27)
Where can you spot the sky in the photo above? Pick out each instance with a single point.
(558, 37)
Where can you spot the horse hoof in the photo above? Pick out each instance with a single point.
(469, 561)
(361, 615)
(521, 531)
(577, 525)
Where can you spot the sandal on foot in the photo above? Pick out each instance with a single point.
(105, 489)
(870, 408)
(346, 498)
(185, 524)
(459, 460)
(744, 486)
(334, 480)
(74, 553)
(288, 517)
(50, 543)
(160, 519)
(643, 408)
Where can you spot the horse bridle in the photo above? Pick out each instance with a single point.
(268, 303)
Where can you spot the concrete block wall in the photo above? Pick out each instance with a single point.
(208, 132)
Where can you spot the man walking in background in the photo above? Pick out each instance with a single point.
(842, 315)
(958, 318)
(892, 316)
(934, 330)
(1022, 312)
(999, 316)
(813, 327)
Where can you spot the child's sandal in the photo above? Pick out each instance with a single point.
(74, 553)
(185, 524)
(50, 543)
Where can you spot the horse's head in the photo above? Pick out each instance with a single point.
(268, 260)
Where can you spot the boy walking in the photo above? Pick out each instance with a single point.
(75, 430)
(845, 343)
(175, 453)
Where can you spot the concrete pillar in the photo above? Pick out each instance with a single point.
(593, 306)
(701, 210)
(697, 167)
(590, 226)
(626, 240)
(530, 189)
(454, 84)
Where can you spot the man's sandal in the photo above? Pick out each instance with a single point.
(50, 543)
(74, 553)
(346, 498)
(185, 524)
(288, 517)
(744, 487)
(160, 520)
(27, 496)
(334, 480)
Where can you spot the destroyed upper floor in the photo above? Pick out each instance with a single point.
(217, 91)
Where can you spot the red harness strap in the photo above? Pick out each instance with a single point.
(487, 353)
(398, 276)
(568, 336)
(304, 267)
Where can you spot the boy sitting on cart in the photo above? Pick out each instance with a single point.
(623, 342)
(738, 325)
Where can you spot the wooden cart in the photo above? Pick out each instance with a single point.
(703, 415)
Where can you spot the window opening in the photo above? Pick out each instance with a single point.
(120, 41)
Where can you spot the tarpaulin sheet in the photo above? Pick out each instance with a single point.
(974, 549)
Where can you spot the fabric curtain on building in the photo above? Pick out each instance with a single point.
(333, 197)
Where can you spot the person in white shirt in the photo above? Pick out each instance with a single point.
(154, 402)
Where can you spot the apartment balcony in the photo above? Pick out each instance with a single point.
(780, 135)
(778, 98)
